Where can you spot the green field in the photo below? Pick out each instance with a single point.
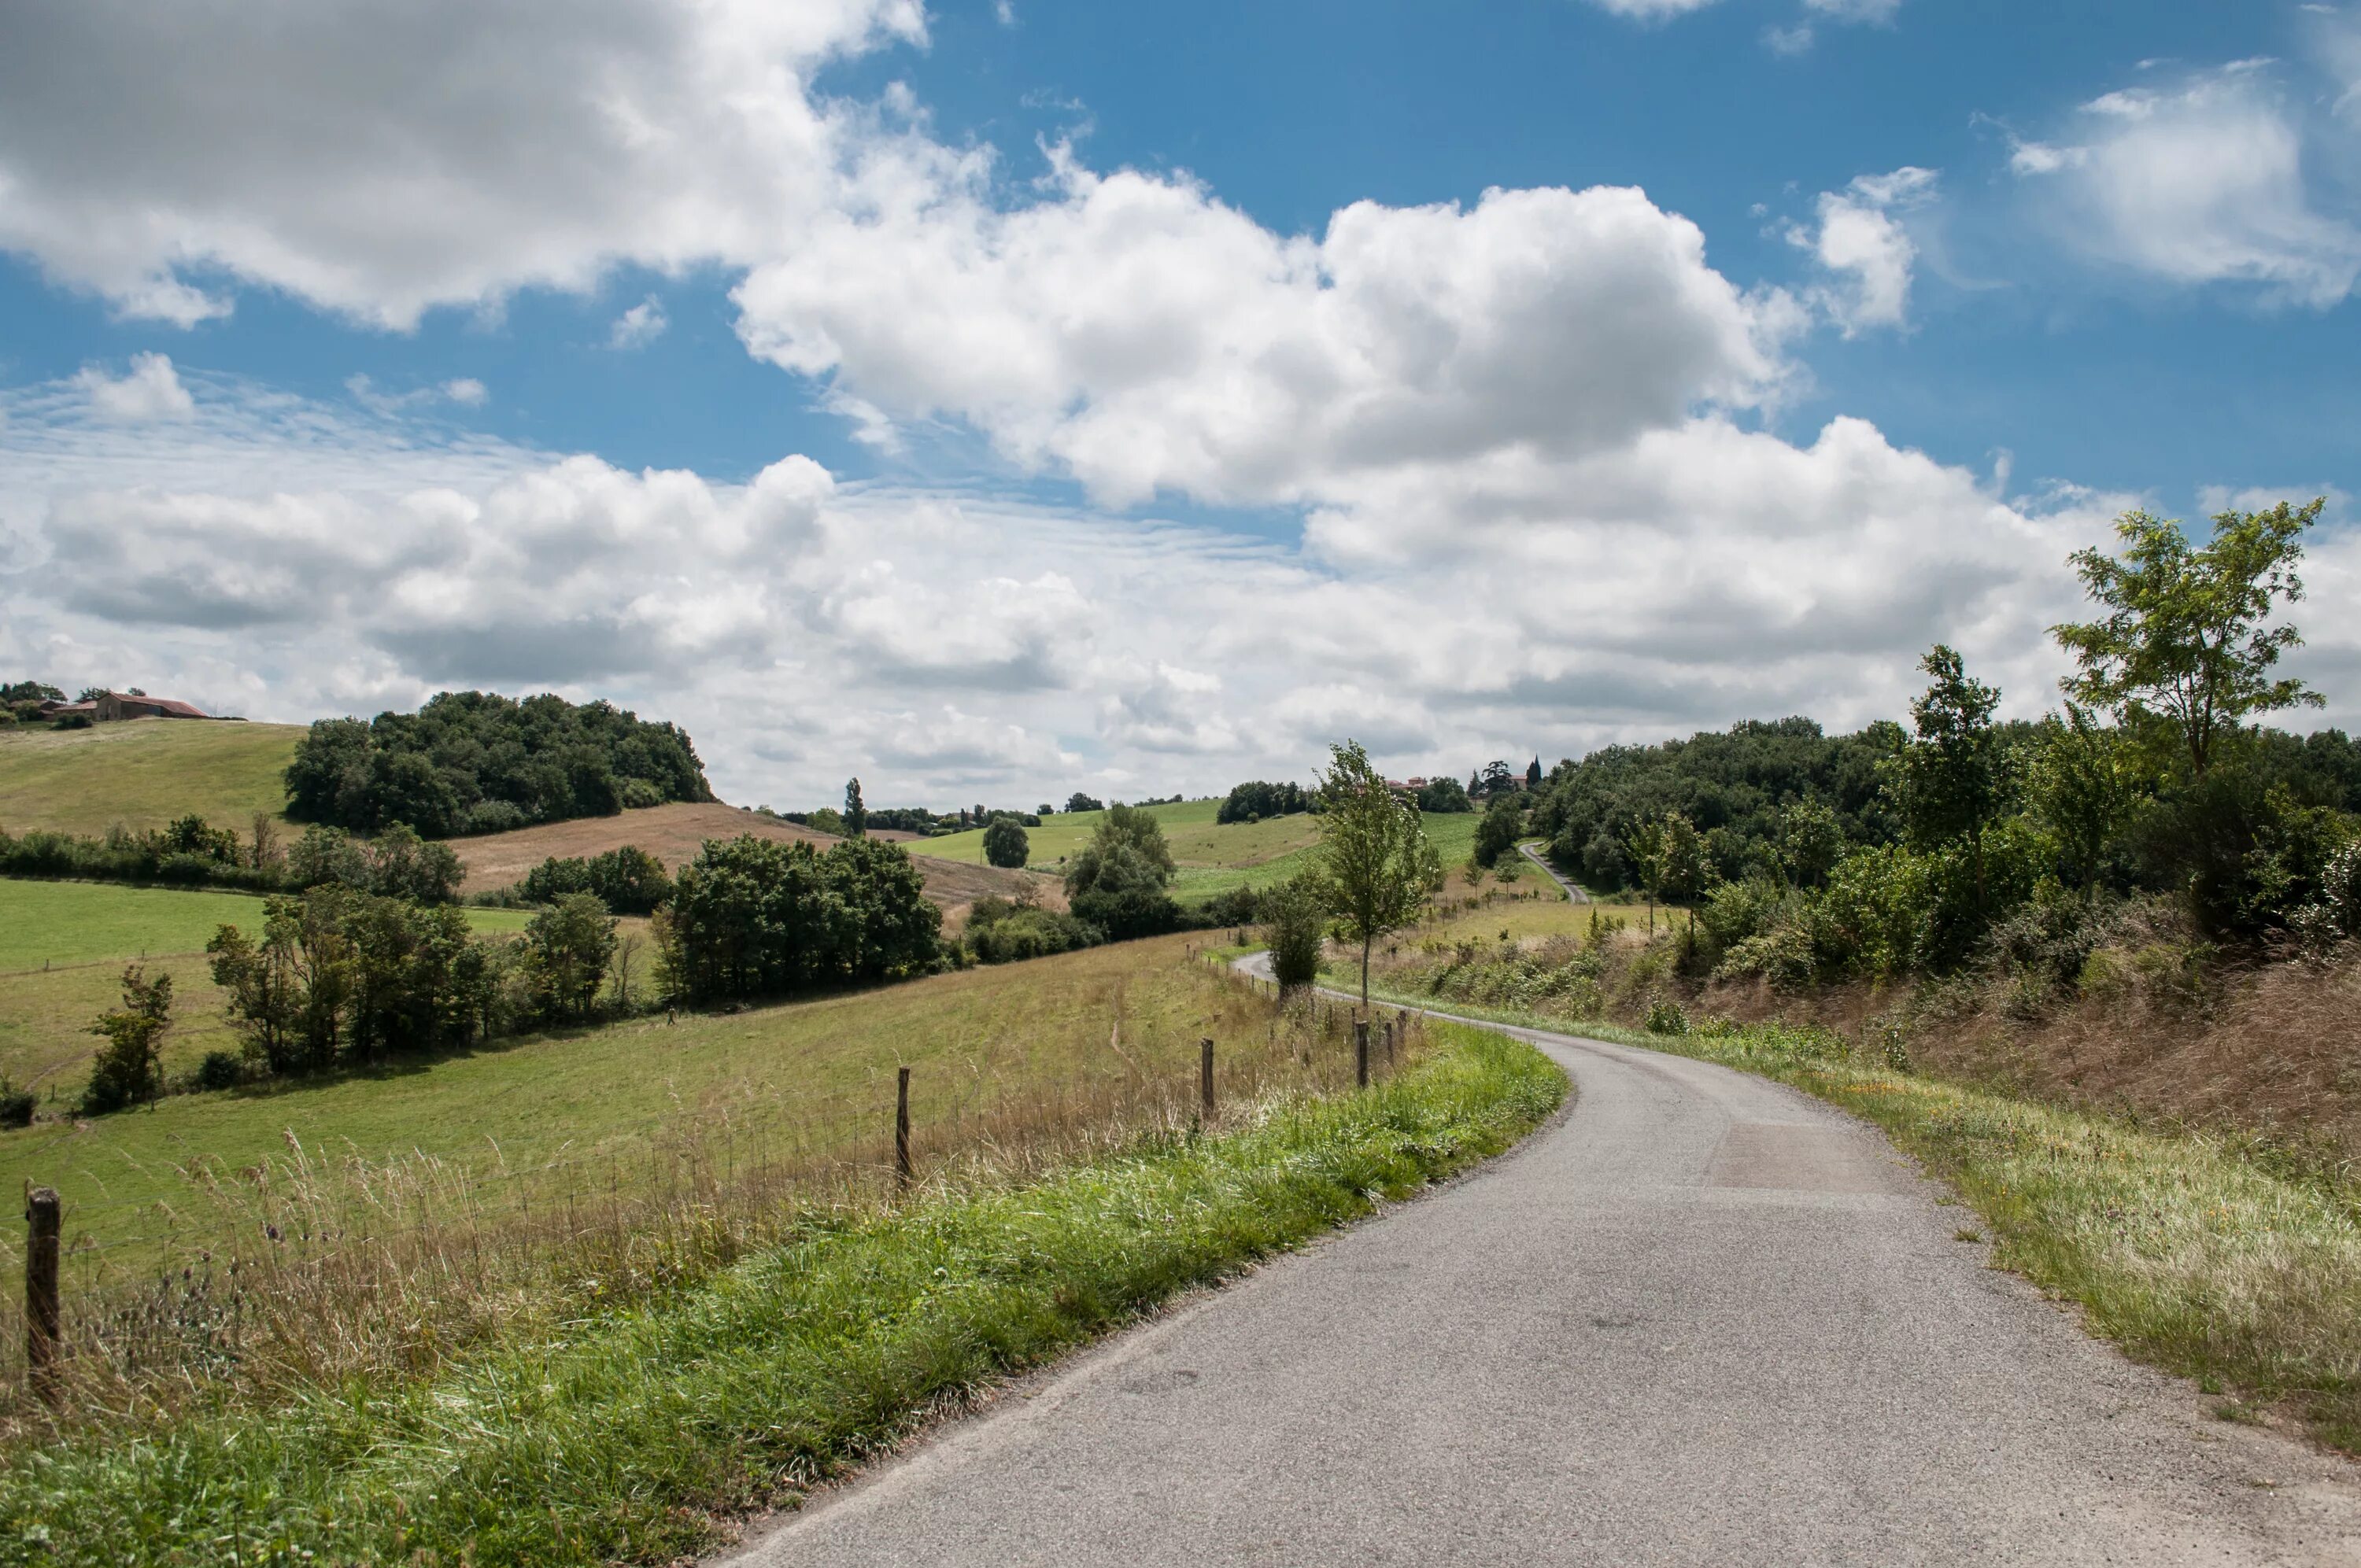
(1213, 857)
(822, 1069)
(142, 773)
(63, 945)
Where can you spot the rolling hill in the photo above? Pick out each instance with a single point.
(143, 773)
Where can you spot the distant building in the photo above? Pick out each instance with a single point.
(111, 705)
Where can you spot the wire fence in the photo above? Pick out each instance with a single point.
(315, 1266)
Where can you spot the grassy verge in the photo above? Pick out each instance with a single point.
(629, 1438)
(2177, 1246)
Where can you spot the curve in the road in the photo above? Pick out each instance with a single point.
(1574, 890)
(1702, 1319)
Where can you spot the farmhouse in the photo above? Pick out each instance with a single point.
(107, 706)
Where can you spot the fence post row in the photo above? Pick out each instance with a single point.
(43, 1322)
(1205, 1078)
(902, 1128)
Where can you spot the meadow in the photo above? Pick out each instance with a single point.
(143, 773)
(63, 945)
(1213, 857)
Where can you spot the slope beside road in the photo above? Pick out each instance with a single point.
(1701, 1319)
(1574, 892)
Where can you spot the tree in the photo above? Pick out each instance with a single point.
(264, 984)
(2184, 641)
(1668, 853)
(1374, 860)
(1497, 834)
(1443, 797)
(1119, 880)
(856, 815)
(566, 950)
(1533, 773)
(1295, 916)
(1811, 841)
(127, 1071)
(2083, 786)
(1078, 801)
(1952, 777)
(1498, 778)
(1005, 844)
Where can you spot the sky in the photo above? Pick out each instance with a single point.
(994, 400)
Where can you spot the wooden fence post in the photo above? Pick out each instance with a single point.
(1205, 1078)
(902, 1128)
(43, 1322)
(1361, 1052)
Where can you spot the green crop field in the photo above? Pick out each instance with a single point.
(63, 945)
(1213, 857)
(142, 773)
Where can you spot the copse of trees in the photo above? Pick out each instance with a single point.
(1078, 801)
(1497, 834)
(1119, 881)
(478, 762)
(193, 853)
(750, 917)
(1443, 797)
(1257, 800)
(627, 880)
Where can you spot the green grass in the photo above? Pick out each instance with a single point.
(2180, 1247)
(821, 1073)
(63, 945)
(625, 1438)
(143, 773)
(1213, 858)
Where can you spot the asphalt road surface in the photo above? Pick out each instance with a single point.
(1574, 892)
(1702, 1319)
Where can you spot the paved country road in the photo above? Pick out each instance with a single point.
(1574, 892)
(1702, 1319)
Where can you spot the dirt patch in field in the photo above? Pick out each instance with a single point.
(673, 833)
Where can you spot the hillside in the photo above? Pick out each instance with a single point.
(672, 833)
(1213, 857)
(143, 773)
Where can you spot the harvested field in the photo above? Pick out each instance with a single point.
(673, 833)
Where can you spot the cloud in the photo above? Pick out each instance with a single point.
(639, 326)
(1651, 10)
(464, 390)
(1878, 13)
(2201, 181)
(150, 391)
(1133, 330)
(377, 163)
(1861, 238)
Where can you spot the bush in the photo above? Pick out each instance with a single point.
(1000, 932)
(126, 1071)
(1297, 918)
(1005, 843)
(220, 1070)
(17, 1105)
(1665, 1017)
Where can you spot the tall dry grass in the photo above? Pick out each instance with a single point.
(343, 1268)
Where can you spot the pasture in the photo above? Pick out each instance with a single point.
(63, 945)
(143, 773)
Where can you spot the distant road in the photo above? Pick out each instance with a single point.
(1574, 892)
(1703, 1319)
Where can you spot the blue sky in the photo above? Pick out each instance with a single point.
(1065, 392)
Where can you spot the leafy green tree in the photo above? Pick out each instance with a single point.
(1078, 801)
(1295, 920)
(1952, 779)
(1005, 844)
(1497, 834)
(1443, 797)
(1374, 861)
(567, 948)
(1811, 841)
(1668, 853)
(129, 1069)
(2083, 787)
(856, 815)
(1118, 881)
(2185, 639)
(264, 984)
(405, 866)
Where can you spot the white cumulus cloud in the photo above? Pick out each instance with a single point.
(151, 391)
(1861, 238)
(639, 326)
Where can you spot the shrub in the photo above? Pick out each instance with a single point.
(1000, 932)
(1666, 1018)
(1297, 918)
(220, 1070)
(17, 1105)
(126, 1070)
